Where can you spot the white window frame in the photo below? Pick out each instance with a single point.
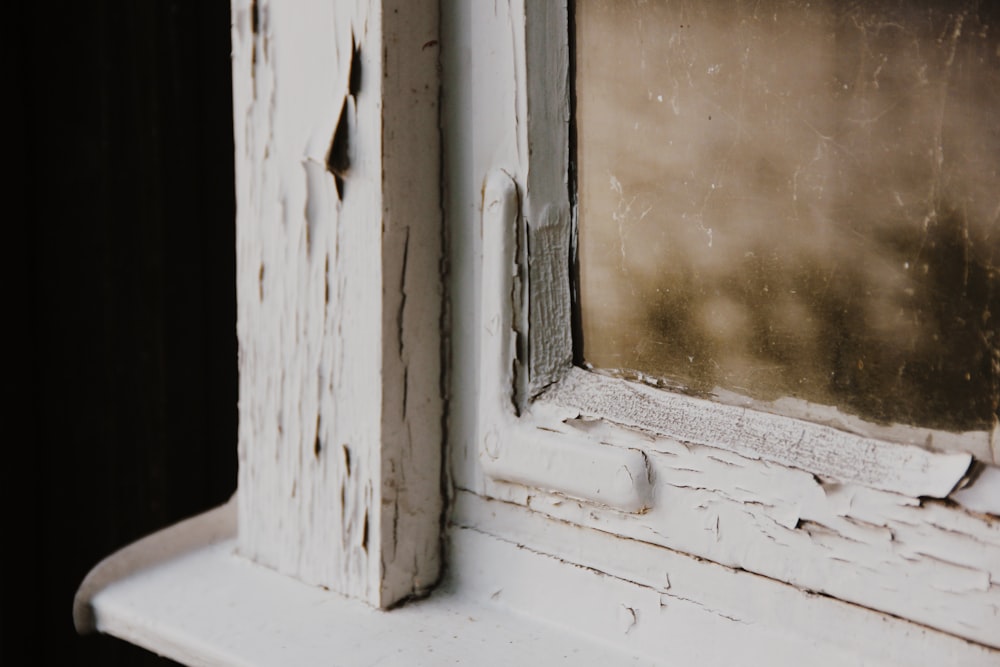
(614, 535)
(879, 524)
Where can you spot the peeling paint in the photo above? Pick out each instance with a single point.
(333, 175)
(627, 618)
(709, 610)
(837, 525)
(853, 527)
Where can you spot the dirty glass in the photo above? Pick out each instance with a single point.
(794, 199)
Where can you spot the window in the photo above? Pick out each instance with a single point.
(630, 521)
(839, 509)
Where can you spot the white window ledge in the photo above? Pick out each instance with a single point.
(185, 594)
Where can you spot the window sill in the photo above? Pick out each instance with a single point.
(185, 594)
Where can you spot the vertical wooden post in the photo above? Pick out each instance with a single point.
(340, 310)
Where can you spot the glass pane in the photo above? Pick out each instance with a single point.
(784, 198)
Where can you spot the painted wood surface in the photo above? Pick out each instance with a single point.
(339, 291)
(612, 476)
(658, 582)
(672, 608)
(833, 454)
(929, 561)
(185, 593)
(852, 522)
(824, 510)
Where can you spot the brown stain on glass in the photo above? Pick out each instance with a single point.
(830, 235)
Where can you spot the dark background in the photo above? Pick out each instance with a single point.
(123, 119)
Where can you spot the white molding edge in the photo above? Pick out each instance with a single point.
(745, 489)
(216, 525)
(845, 457)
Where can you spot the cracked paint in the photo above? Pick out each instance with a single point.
(340, 333)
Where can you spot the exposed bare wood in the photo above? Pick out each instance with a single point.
(983, 491)
(845, 457)
(547, 207)
(816, 507)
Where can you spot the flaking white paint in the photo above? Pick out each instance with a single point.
(684, 610)
(536, 457)
(845, 457)
(339, 294)
(929, 561)
(671, 584)
(821, 509)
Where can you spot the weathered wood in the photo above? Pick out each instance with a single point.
(814, 507)
(820, 509)
(338, 249)
(210, 607)
(612, 476)
(845, 457)
(928, 561)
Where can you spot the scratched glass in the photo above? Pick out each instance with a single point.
(794, 199)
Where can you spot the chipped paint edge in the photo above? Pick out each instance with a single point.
(904, 469)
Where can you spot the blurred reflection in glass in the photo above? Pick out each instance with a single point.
(795, 199)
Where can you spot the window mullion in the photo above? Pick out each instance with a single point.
(339, 291)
